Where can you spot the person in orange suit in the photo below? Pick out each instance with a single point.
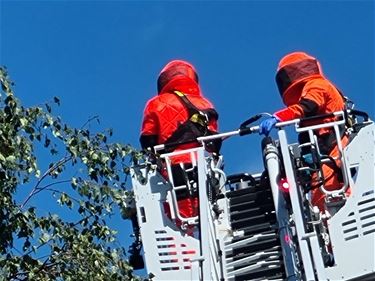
(166, 120)
(306, 92)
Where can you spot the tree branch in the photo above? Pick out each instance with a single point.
(50, 170)
(89, 121)
(39, 189)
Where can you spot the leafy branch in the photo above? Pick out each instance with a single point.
(85, 169)
(36, 188)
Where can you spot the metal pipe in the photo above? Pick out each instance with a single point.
(272, 163)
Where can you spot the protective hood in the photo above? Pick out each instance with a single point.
(294, 70)
(178, 75)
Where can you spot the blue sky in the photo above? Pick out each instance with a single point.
(103, 57)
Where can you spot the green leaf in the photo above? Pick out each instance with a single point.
(2, 158)
(74, 182)
(48, 107)
(26, 245)
(45, 237)
(56, 133)
(24, 122)
(56, 100)
(11, 159)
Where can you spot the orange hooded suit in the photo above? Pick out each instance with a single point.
(306, 92)
(165, 113)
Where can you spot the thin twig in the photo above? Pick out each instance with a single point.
(89, 121)
(39, 189)
(51, 169)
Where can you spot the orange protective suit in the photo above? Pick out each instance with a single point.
(165, 113)
(306, 92)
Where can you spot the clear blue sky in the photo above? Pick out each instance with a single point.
(103, 57)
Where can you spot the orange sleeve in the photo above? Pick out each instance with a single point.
(311, 103)
(289, 113)
(315, 91)
(150, 123)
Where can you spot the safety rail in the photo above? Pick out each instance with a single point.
(209, 260)
(205, 261)
(340, 120)
(313, 140)
(335, 125)
(175, 213)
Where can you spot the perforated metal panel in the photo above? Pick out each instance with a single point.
(363, 224)
(352, 229)
(172, 255)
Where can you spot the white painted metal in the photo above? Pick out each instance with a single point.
(352, 228)
(168, 251)
(173, 254)
(297, 213)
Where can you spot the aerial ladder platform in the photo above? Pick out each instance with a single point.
(263, 226)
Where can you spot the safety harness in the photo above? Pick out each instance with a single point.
(196, 125)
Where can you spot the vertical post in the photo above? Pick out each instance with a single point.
(342, 158)
(204, 234)
(272, 162)
(297, 210)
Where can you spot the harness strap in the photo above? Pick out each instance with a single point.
(195, 115)
(197, 125)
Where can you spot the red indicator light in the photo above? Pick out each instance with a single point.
(284, 185)
(287, 239)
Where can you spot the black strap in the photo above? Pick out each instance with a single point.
(191, 107)
(195, 115)
(211, 113)
(344, 98)
(198, 116)
(195, 126)
(349, 120)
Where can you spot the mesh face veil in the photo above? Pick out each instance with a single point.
(295, 68)
(295, 72)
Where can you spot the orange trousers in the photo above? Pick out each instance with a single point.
(332, 178)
